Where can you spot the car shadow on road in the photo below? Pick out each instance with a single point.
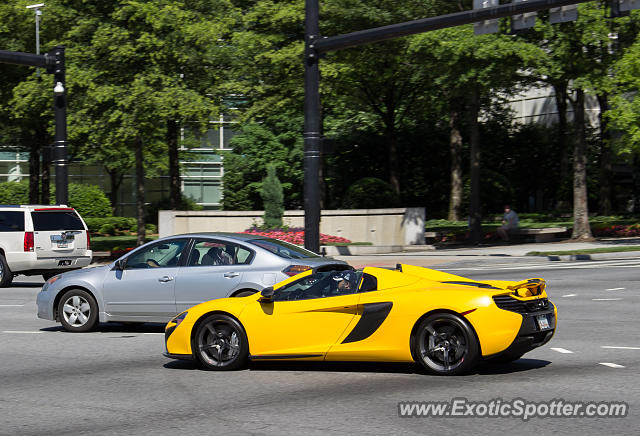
(372, 367)
(27, 284)
(115, 327)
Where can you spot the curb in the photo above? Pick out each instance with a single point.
(593, 256)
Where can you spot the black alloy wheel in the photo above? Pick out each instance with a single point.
(445, 344)
(220, 343)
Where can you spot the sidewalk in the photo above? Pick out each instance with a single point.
(436, 256)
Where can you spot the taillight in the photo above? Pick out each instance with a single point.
(88, 241)
(292, 270)
(28, 241)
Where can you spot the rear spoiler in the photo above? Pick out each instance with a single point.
(528, 288)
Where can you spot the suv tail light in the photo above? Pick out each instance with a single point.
(28, 241)
(292, 270)
(88, 241)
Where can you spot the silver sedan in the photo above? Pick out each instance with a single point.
(162, 278)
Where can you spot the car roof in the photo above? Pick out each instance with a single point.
(35, 206)
(238, 236)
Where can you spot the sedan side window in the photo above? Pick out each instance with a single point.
(161, 255)
(209, 252)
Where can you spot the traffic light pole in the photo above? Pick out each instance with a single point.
(316, 45)
(54, 62)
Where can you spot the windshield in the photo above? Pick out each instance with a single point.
(284, 249)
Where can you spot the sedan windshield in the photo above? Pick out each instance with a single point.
(284, 249)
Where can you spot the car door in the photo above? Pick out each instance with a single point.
(304, 320)
(213, 270)
(144, 289)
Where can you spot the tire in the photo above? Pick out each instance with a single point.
(220, 343)
(244, 293)
(78, 311)
(445, 344)
(6, 276)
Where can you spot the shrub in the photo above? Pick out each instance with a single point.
(14, 192)
(105, 225)
(369, 193)
(88, 200)
(273, 198)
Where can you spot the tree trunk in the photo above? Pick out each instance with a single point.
(45, 191)
(175, 195)
(140, 206)
(115, 180)
(560, 91)
(34, 173)
(604, 199)
(475, 215)
(392, 141)
(455, 147)
(581, 229)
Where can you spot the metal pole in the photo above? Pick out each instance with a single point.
(38, 13)
(312, 129)
(60, 141)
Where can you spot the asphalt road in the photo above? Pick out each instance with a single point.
(116, 381)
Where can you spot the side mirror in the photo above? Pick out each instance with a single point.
(266, 296)
(120, 264)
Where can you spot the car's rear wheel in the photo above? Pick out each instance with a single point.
(78, 311)
(6, 276)
(445, 344)
(220, 343)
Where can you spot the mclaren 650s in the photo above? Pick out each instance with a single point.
(444, 322)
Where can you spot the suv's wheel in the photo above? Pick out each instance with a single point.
(78, 311)
(220, 343)
(6, 276)
(445, 344)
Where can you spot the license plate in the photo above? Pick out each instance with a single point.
(64, 262)
(63, 245)
(543, 322)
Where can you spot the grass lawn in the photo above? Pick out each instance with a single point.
(585, 251)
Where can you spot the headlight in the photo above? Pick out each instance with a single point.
(178, 319)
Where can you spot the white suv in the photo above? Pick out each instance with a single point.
(44, 240)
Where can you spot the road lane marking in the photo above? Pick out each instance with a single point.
(606, 299)
(620, 348)
(569, 295)
(562, 350)
(611, 365)
(615, 289)
(11, 305)
(21, 332)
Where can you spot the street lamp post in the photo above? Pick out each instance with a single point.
(36, 9)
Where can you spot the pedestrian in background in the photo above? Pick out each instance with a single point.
(510, 222)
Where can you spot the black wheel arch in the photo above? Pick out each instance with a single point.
(412, 338)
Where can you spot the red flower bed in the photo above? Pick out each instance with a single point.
(617, 230)
(294, 236)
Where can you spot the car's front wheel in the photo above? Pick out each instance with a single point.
(6, 276)
(220, 343)
(78, 311)
(445, 344)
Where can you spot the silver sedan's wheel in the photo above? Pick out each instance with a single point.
(446, 345)
(78, 311)
(6, 276)
(221, 343)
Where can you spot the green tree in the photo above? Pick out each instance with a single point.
(272, 198)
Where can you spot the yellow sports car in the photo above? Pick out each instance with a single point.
(445, 322)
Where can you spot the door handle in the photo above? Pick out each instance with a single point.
(165, 279)
(231, 275)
